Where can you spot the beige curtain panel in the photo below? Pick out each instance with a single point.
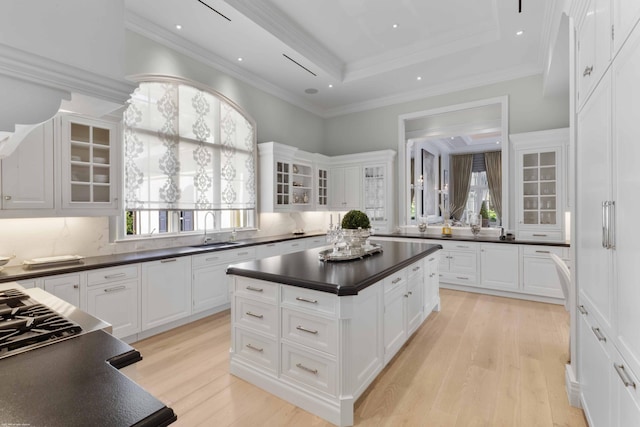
(493, 163)
(461, 166)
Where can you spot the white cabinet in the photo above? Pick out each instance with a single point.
(499, 266)
(395, 324)
(431, 292)
(28, 173)
(315, 242)
(540, 184)
(626, 14)
(539, 274)
(166, 291)
(345, 188)
(302, 185)
(65, 287)
(113, 295)
(414, 297)
(459, 263)
(595, 35)
(377, 191)
(89, 164)
(322, 187)
(209, 278)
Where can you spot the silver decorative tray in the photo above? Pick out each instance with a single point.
(328, 255)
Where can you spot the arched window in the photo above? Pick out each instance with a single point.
(187, 151)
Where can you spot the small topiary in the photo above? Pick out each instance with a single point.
(355, 219)
(484, 212)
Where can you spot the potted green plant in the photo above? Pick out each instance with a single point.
(484, 213)
(356, 229)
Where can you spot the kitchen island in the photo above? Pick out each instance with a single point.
(318, 333)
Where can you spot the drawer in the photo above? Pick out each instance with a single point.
(416, 269)
(256, 289)
(313, 331)
(223, 257)
(542, 236)
(543, 251)
(309, 369)
(320, 302)
(115, 274)
(459, 278)
(459, 246)
(394, 281)
(292, 246)
(256, 349)
(256, 315)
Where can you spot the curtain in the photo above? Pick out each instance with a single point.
(461, 165)
(493, 162)
(186, 149)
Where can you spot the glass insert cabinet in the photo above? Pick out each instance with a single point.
(539, 188)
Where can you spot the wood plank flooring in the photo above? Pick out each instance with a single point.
(481, 361)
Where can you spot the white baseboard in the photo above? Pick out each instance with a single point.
(497, 293)
(573, 387)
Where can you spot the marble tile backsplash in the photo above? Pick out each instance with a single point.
(29, 238)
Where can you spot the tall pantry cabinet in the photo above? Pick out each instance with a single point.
(607, 237)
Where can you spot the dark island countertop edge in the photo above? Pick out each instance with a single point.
(418, 235)
(353, 289)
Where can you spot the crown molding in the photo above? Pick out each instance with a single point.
(435, 90)
(148, 29)
(290, 33)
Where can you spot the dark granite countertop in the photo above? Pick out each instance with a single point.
(18, 272)
(72, 383)
(306, 270)
(418, 235)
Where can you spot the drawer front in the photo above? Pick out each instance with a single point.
(416, 269)
(394, 281)
(256, 315)
(115, 274)
(543, 251)
(316, 242)
(256, 349)
(256, 289)
(459, 278)
(313, 331)
(292, 246)
(458, 246)
(223, 257)
(309, 369)
(321, 302)
(541, 236)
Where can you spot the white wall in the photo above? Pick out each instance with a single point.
(378, 129)
(276, 120)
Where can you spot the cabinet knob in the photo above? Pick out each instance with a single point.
(7, 197)
(587, 71)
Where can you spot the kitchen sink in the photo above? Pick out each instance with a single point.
(215, 244)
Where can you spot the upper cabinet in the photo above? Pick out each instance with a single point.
(345, 188)
(89, 164)
(540, 184)
(28, 174)
(626, 14)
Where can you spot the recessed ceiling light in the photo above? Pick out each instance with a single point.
(395, 25)
(453, 137)
(330, 85)
(519, 33)
(178, 27)
(239, 59)
(419, 78)
(497, 142)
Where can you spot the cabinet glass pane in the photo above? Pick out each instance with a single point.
(80, 133)
(531, 217)
(374, 197)
(101, 194)
(531, 189)
(548, 159)
(101, 136)
(530, 174)
(548, 174)
(530, 160)
(80, 193)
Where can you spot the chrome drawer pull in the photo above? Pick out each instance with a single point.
(304, 368)
(312, 301)
(539, 235)
(243, 253)
(462, 278)
(76, 286)
(114, 276)
(303, 329)
(624, 376)
(251, 288)
(255, 348)
(168, 260)
(212, 258)
(543, 252)
(462, 246)
(416, 268)
(431, 259)
(582, 310)
(598, 334)
(270, 245)
(117, 288)
(258, 316)
(393, 282)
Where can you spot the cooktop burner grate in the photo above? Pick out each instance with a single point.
(12, 296)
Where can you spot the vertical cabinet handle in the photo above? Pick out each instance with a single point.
(611, 238)
(604, 225)
(598, 334)
(582, 310)
(628, 382)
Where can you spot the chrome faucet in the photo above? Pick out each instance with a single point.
(208, 239)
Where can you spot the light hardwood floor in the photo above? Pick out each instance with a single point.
(481, 361)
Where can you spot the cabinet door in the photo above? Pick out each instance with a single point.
(626, 15)
(593, 172)
(414, 302)
(352, 180)
(210, 287)
(283, 185)
(27, 174)
(166, 291)
(116, 304)
(394, 323)
(337, 183)
(626, 394)
(432, 282)
(499, 266)
(66, 287)
(322, 188)
(540, 277)
(89, 164)
(626, 196)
